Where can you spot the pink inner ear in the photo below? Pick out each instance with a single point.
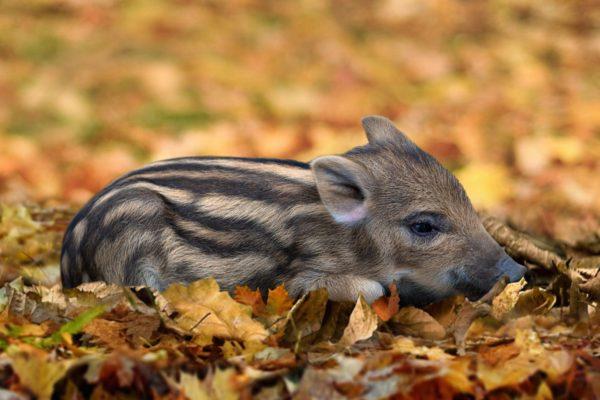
(351, 216)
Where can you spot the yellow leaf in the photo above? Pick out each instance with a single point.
(204, 310)
(531, 356)
(362, 324)
(193, 387)
(223, 385)
(36, 372)
(406, 345)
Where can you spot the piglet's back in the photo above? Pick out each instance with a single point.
(237, 220)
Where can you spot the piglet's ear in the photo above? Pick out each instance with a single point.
(381, 130)
(340, 185)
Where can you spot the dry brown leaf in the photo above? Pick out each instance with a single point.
(416, 322)
(206, 311)
(249, 297)
(279, 301)
(107, 332)
(446, 311)
(519, 364)
(534, 301)
(362, 323)
(386, 307)
(503, 304)
(306, 316)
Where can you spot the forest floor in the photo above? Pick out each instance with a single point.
(538, 339)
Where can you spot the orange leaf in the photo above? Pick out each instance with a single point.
(252, 298)
(386, 307)
(279, 301)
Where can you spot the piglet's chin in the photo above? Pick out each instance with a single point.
(414, 294)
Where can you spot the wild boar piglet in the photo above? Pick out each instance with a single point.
(351, 223)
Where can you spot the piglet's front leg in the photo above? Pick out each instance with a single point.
(349, 287)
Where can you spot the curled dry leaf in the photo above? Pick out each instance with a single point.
(503, 304)
(202, 309)
(362, 324)
(534, 301)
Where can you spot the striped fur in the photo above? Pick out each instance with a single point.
(340, 222)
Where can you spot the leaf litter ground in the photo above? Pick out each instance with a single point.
(535, 339)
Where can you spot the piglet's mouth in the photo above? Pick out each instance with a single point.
(470, 289)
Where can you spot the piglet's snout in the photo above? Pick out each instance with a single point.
(512, 269)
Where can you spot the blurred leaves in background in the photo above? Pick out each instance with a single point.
(503, 92)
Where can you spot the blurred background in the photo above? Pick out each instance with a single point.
(505, 93)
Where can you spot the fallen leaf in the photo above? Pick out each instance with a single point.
(279, 301)
(362, 324)
(534, 301)
(37, 372)
(531, 356)
(503, 304)
(386, 307)
(223, 385)
(204, 310)
(306, 316)
(406, 345)
(249, 297)
(416, 322)
(192, 387)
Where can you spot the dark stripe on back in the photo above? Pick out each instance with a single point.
(256, 238)
(254, 189)
(198, 167)
(258, 160)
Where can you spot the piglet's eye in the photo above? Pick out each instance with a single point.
(422, 228)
